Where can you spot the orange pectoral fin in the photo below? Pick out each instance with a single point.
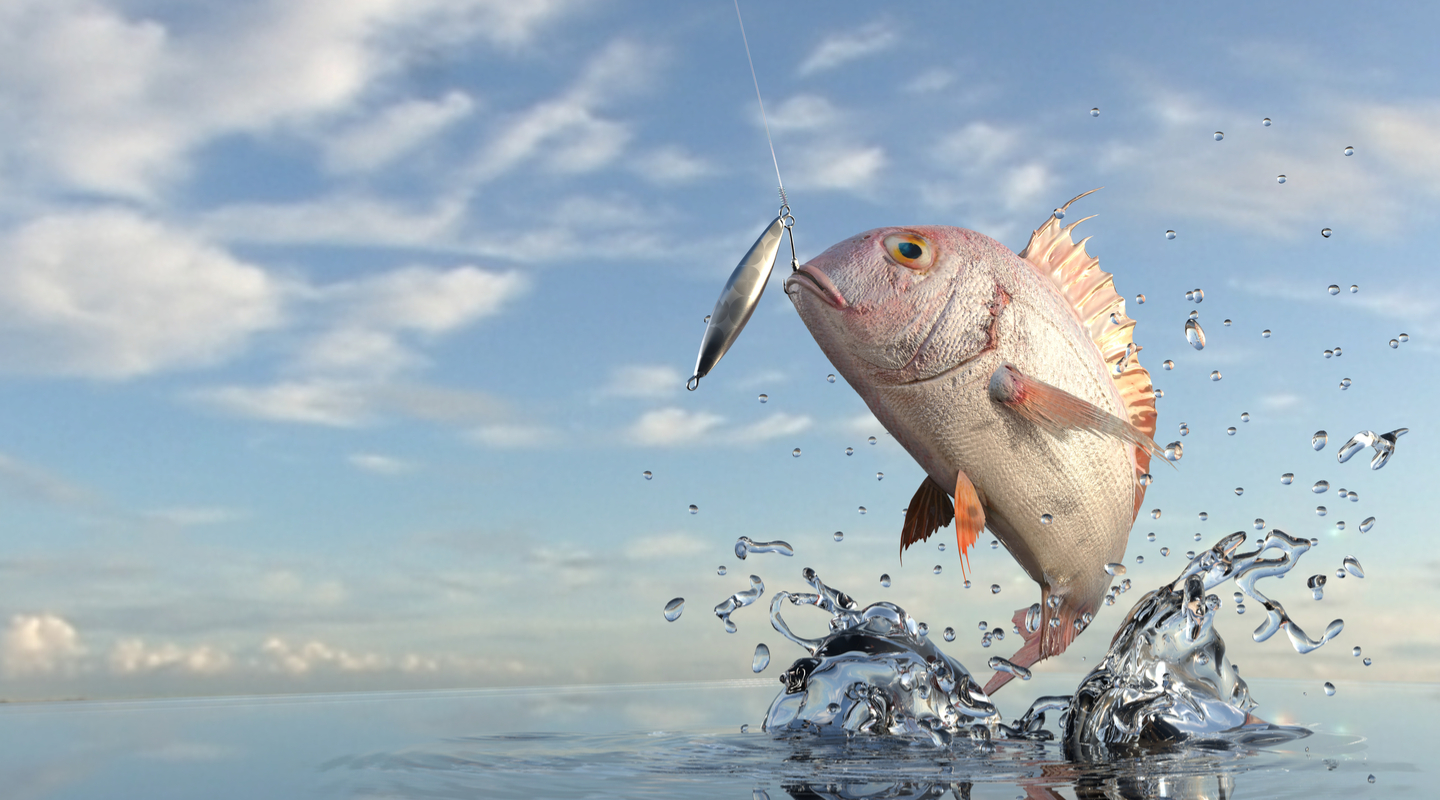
(930, 510)
(969, 518)
(1057, 411)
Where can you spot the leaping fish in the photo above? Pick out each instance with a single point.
(1013, 381)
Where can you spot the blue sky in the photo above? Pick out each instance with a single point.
(337, 335)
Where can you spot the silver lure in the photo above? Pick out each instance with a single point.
(738, 300)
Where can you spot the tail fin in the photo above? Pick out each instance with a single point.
(1046, 640)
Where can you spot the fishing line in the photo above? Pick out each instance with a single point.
(788, 219)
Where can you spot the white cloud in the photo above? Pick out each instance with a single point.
(803, 112)
(39, 644)
(186, 517)
(346, 219)
(133, 656)
(667, 427)
(643, 381)
(669, 166)
(931, 80)
(773, 427)
(844, 167)
(380, 465)
(864, 425)
(512, 436)
(318, 402)
(280, 656)
(393, 132)
(842, 48)
(111, 294)
(1281, 402)
(668, 545)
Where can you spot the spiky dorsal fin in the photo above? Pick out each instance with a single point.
(1091, 294)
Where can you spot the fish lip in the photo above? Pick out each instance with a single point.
(818, 284)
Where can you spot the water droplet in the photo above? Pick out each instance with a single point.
(1168, 364)
(795, 453)
(1318, 440)
(707, 319)
(1150, 537)
(830, 378)
(1184, 429)
(940, 546)
(1259, 524)
(1334, 288)
(1230, 430)
(720, 570)
(833, 708)
(1140, 299)
(839, 536)
(764, 398)
(871, 440)
(1164, 551)
(1353, 289)
(674, 609)
(994, 588)
(1094, 112)
(1046, 519)
(1349, 151)
(761, 659)
(694, 509)
(1340, 525)
(849, 451)
(1366, 662)
(1194, 315)
(1139, 559)
(1320, 487)
(1404, 337)
(1325, 232)
(1194, 334)
(1169, 234)
(1114, 569)
(1319, 511)
(1329, 353)
(923, 630)
(1279, 178)
(648, 474)
(1394, 343)
(1146, 479)
(1154, 513)
(1203, 516)
(994, 544)
(1244, 416)
(1367, 524)
(1265, 122)
(758, 794)
(1239, 608)
(937, 569)
(862, 509)
(885, 580)
(1329, 689)
(1265, 334)
(1352, 566)
(1174, 451)
(967, 584)
(1344, 384)
(1215, 375)
(1219, 135)
(1239, 490)
(1197, 537)
(1288, 478)
(949, 634)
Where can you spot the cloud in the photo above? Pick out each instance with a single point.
(39, 644)
(803, 112)
(643, 381)
(844, 167)
(392, 132)
(280, 656)
(668, 427)
(668, 545)
(931, 80)
(319, 402)
(670, 166)
(32, 483)
(112, 294)
(186, 517)
(773, 427)
(515, 436)
(133, 656)
(842, 48)
(380, 465)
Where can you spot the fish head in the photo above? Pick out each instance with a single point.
(883, 302)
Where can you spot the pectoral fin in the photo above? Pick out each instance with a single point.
(930, 510)
(1057, 411)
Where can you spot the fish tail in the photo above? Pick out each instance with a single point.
(1047, 639)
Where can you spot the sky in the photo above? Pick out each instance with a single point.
(337, 335)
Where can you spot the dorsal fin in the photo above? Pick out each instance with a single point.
(1091, 294)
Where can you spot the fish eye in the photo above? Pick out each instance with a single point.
(910, 251)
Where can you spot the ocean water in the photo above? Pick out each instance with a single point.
(676, 740)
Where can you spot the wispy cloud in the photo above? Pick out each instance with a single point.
(374, 142)
(847, 46)
(643, 381)
(380, 464)
(673, 427)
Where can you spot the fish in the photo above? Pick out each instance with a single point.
(1014, 381)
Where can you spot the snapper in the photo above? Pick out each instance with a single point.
(1013, 381)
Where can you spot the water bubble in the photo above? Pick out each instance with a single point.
(1219, 135)
(1046, 519)
(1194, 334)
(1367, 524)
(1154, 513)
(1146, 479)
(1164, 551)
(694, 509)
(871, 440)
(648, 474)
(1404, 337)
(994, 588)
(761, 659)
(1169, 234)
(795, 453)
(1319, 511)
(1244, 416)
(1259, 524)
(885, 580)
(1325, 232)
(1203, 516)
(1239, 490)
(937, 569)
(1168, 364)
(1215, 375)
(720, 570)
(839, 536)
(1150, 537)
(1094, 112)
(1265, 334)
(1114, 569)
(1265, 122)
(830, 378)
(674, 609)
(1140, 299)
(1230, 430)
(1329, 689)
(1288, 478)
(1317, 442)
(1394, 343)
(1320, 487)
(764, 398)
(1279, 178)
(1349, 151)
(849, 451)
(1352, 566)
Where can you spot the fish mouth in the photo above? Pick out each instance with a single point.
(816, 282)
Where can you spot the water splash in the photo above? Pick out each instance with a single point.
(874, 673)
(744, 546)
(1383, 444)
(739, 600)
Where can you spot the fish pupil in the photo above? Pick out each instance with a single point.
(909, 250)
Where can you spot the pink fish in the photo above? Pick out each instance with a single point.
(1013, 381)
